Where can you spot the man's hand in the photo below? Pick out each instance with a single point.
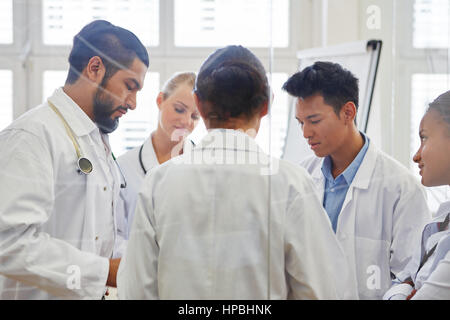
(412, 294)
(112, 275)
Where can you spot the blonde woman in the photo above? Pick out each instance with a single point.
(178, 116)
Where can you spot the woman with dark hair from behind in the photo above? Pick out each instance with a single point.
(226, 221)
(427, 276)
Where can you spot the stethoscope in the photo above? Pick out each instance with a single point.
(140, 157)
(84, 164)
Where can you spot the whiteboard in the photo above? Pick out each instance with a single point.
(361, 58)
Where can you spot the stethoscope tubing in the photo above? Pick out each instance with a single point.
(142, 162)
(84, 164)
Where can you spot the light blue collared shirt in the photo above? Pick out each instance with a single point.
(336, 189)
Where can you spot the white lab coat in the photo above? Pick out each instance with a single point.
(433, 279)
(57, 228)
(134, 175)
(211, 224)
(380, 221)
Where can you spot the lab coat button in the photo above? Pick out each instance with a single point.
(104, 188)
(96, 238)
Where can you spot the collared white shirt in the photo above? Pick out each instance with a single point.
(225, 221)
(134, 174)
(57, 226)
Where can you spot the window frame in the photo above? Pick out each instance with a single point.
(410, 61)
(29, 51)
(405, 14)
(28, 57)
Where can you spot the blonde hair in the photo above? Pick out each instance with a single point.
(176, 80)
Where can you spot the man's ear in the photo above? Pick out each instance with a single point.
(265, 109)
(95, 70)
(349, 111)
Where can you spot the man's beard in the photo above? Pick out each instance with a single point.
(103, 109)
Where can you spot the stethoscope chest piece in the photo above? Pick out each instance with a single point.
(84, 165)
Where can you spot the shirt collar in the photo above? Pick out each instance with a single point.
(228, 139)
(350, 172)
(77, 119)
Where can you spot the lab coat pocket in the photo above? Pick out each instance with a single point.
(373, 271)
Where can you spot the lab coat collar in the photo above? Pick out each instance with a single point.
(149, 157)
(229, 139)
(442, 212)
(78, 120)
(364, 173)
(366, 169)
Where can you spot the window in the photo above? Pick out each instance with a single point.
(189, 32)
(62, 19)
(424, 88)
(51, 81)
(211, 23)
(6, 22)
(6, 107)
(273, 128)
(422, 65)
(137, 124)
(431, 24)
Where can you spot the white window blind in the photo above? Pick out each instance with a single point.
(62, 19)
(213, 23)
(6, 91)
(52, 80)
(136, 125)
(431, 24)
(6, 22)
(425, 88)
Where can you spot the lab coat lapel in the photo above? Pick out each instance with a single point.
(88, 243)
(347, 217)
(346, 227)
(319, 180)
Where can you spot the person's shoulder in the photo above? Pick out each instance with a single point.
(311, 162)
(34, 120)
(293, 174)
(394, 176)
(392, 167)
(130, 155)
